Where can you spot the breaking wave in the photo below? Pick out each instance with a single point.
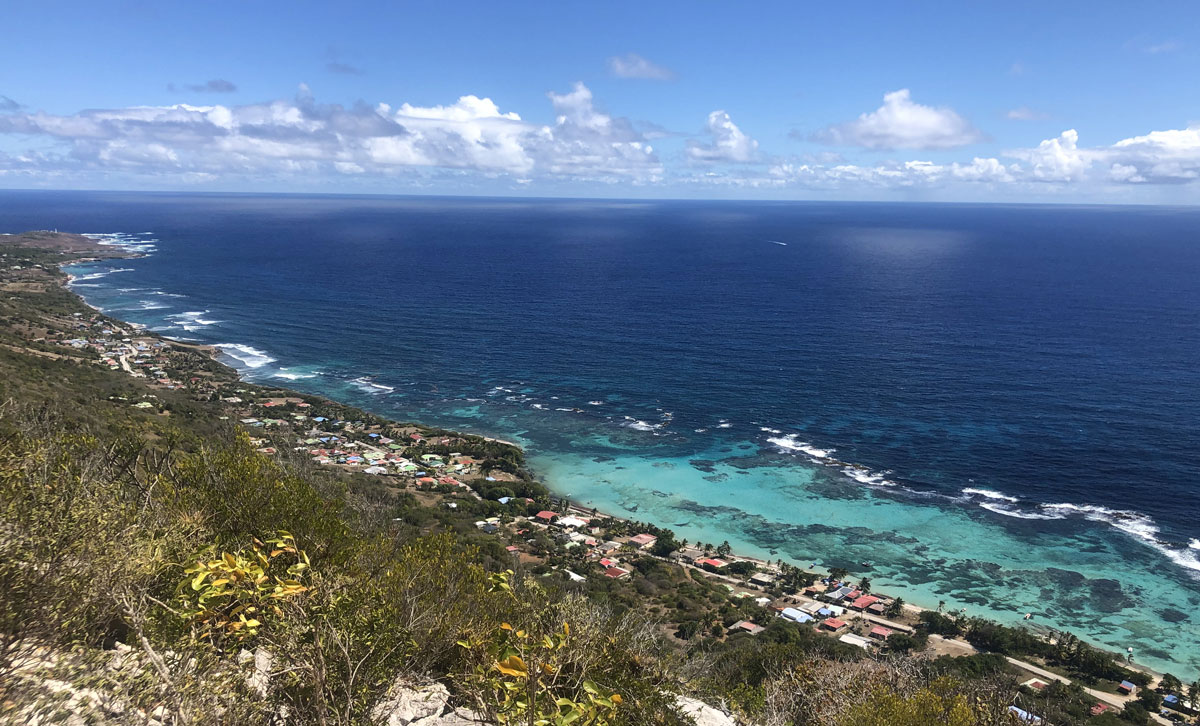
(246, 355)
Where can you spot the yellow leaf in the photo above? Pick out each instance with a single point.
(505, 626)
(513, 666)
(616, 698)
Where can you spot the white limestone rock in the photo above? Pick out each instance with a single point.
(702, 713)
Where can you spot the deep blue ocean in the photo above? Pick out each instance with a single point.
(996, 406)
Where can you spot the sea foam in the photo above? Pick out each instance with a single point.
(246, 355)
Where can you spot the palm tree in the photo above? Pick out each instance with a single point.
(1193, 694)
(941, 605)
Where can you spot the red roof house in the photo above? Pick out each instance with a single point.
(880, 633)
(833, 624)
(864, 602)
(643, 540)
(546, 515)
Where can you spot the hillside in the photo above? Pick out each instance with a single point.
(182, 547)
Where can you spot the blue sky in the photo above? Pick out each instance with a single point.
(1005, 101)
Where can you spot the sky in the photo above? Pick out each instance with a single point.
(1065, 102)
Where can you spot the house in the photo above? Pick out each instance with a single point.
(833, 624)
(608, 547)
(642, 541)
(878, 608)
(1035, 684)
(747, 626)
(762, 579)
(796, 616)
(575, 577)
(546, 515)
(1100, 708)
(864, 602)
(880, 633)
(616, 573)
(839, 593)
(687, 554)
(852, 639)
(712, 562)
(570, 522)
(1126, 687)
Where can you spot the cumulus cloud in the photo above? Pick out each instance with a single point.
(900, 123)
(1161, 157)
(728, 144)
(216, 85)
(632, 65)
(1057, 159)
(301, 135)
(472, 138)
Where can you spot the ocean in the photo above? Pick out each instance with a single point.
(991, 406)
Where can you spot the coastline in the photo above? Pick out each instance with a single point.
(215, 354)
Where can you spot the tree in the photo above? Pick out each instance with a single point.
(895, 607)
(724, 549)
(1150, 699)
(865, 585)
(838, 573)
(1193, 694)
(939, 703)
(939, 624)
(1171, 684)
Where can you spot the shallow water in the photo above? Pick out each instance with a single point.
(1014, 387)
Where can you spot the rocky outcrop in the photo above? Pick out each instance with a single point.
(421, 705)
(702, 713)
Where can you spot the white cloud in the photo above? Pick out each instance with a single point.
(300, 135)
(902, 124)
(472, 141)
(1171, 156)
(728, 143)
(632, 65)
(1161, 157)
(1057, 159)
(1024, 113)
